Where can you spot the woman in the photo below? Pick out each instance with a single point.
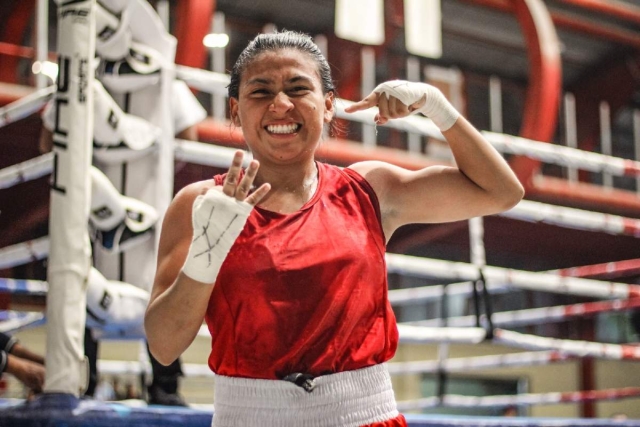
(286, 260)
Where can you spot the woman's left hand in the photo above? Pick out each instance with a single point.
(392, 104)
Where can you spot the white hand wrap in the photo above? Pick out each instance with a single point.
(217, 221)
(436, 107)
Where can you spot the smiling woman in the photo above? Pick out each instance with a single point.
(285, 260)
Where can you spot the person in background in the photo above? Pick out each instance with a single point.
(285, 260)
(25, 365)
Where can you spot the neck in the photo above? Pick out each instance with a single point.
(291, 185)
(289, 178)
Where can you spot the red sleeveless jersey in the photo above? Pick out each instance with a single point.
(307, 291)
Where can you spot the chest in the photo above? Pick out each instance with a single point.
(290, 256)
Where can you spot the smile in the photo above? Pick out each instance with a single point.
(283, 129)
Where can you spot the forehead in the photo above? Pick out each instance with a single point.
(281, 64)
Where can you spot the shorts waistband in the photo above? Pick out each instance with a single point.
(346, 399)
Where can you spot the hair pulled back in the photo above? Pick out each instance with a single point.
(276, 41)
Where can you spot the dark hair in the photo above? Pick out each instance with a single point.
(276, 41)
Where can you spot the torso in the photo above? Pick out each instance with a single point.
(307, 291)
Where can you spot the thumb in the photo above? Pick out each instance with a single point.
(370, 101)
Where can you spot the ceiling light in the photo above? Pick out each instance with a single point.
(214, 40)
(48, 68)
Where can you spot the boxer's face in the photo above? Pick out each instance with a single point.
(281, 106)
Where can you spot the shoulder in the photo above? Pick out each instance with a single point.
(380, 175)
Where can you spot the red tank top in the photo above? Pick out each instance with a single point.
(307, 291)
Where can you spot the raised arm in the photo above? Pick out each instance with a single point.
(198, 231)
(481, 184)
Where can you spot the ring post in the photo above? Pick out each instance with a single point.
(70, 253)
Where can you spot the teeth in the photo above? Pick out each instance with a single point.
(283, 128)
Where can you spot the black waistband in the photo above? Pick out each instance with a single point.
(305, 381)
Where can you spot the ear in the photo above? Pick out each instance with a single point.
(233, 111)
(329, 110)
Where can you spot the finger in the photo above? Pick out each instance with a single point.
(383, 107)
(231, 180)
(399, 109)
(380, 120)
(392, 105)
(247, 181)
(418, 104)
(259, 194)
(368, 102)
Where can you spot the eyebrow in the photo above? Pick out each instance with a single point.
(263, 81)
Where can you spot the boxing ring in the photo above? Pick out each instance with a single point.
(475, 280)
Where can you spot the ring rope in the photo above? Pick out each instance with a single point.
(550, 153)
(22, 253)
(20, 286)
(625, 268)
(26, 171)
(216, 83)
(112, 367)
(570, 347)
(25, 106)
(541, 315)
(527, 399)
(13, 321)
(459, 364)
(426, 335)
(421, 267)
(215, 156)
(536, 281)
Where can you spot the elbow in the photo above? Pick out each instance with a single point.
(161, 349)
(161, 353)
(512, 196)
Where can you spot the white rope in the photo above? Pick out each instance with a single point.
(216, 156)
(526, 399)
(563, 156)
(119, 367)
(210, 82)
(216, 83)
(574, 218)
(570, 347)
(25, 106)
(421, 267)
(19, 286)
(206, 81)
(23, 253)
(422, 294)
(26, 171)
(13, 321)
(535, 281)
(424, 335)
(478, 362)
(206, 154)
(113, 367)
(538, 316)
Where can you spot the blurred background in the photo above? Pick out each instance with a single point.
(561, 72)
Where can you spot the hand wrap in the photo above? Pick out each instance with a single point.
(217, 221)
(436, 106)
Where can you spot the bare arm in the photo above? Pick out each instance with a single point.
(24, 353)
(178, 302)
(481, 184)
(27, 372)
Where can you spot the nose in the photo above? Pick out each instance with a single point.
(281, 103)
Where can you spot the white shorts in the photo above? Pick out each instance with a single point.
(346, 399)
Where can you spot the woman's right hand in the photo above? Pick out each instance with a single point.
(218, 217)
(240, 189)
